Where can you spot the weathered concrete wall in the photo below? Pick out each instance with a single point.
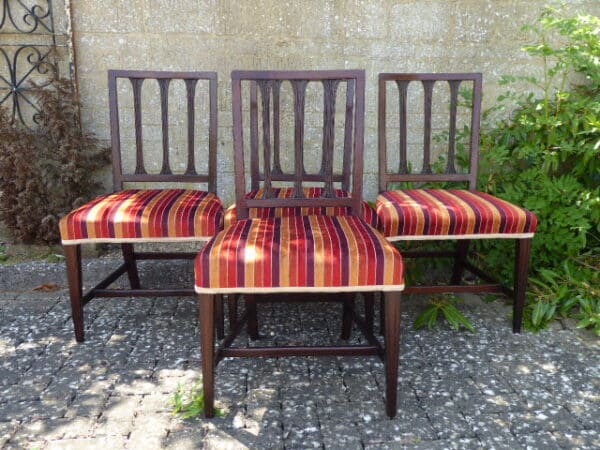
(396, 36)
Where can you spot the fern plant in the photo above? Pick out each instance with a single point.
(446, 305)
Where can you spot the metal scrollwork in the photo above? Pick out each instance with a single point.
(29, 68)
(26, 62)
(27, 19)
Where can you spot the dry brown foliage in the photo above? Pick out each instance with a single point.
(47, 170)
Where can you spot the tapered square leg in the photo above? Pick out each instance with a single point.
(232, 301)
(219, 317)
(132, 271)
(207, 342)
(523, 253)
(369, 310)
(381, 314)
(392, 350)
(73, 260)
(250, 302)
(460, 256)
(347, 311)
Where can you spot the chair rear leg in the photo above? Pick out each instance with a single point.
(250, 301)
(219, 317)
(132, 272)
(522, 255)
(347, 311)
(382, 314)
(73, 260)
(460, 256)
(207, 342)
(392, 350)
(369, 310)
(232, 302)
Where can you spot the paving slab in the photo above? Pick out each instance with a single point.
(490, 389)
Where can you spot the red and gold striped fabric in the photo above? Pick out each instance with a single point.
(299, 254)
(369, 214)
(145, 215)
(420, 214)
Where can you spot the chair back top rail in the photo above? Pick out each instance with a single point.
(166, 174)
(428, 82)
(264, 108)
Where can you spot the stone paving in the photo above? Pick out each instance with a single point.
(491, 389)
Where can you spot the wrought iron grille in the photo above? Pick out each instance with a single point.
(27, 55)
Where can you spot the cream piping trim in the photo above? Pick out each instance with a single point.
(372, 288)
(460, 236)
(135, 240)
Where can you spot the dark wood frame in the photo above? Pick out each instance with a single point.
(461, 263)
(328, 177)
(207, 301)
(276, 174)
(166, 175)
(130, 256)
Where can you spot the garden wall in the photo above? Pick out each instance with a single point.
(402, 35)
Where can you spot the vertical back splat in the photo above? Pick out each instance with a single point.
(329, 97)
(164, 114)
(137, 108)
(454, 85)
(265, 90)
(403, 118)
(190, 86)
(299, 87)
(427, 100)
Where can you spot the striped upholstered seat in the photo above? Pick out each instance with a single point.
(293, 254)
(427, 101)
(145, 215)
(299, 254)
(165, 210)
(369, 214)
(419, 214)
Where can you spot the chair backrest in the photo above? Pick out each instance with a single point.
(448, 118)
(286, 119)
(158, 127)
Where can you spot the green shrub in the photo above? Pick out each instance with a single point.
(572, 289)
(46, 171)
(545, 156)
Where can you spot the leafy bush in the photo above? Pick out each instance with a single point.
(46, 171)
(544, 156)
(572, 289)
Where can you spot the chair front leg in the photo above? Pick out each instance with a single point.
(132, 271)
(73, 260)
(522, 255)
(392, 350)
(207, 342)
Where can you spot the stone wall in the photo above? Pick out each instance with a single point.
(379, 36)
